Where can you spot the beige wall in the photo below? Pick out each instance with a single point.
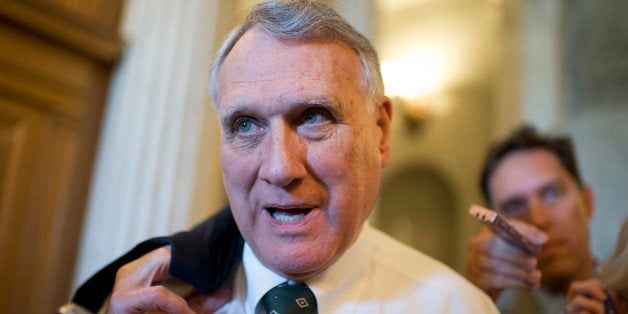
(475, 100)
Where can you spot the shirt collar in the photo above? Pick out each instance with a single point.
(259, 279)
(327, 286)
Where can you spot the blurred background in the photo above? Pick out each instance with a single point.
(108, 136)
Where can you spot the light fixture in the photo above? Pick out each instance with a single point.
(411, 82)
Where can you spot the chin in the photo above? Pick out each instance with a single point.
(297, 263)
(299, 271)
(557, 285)
(557, 278)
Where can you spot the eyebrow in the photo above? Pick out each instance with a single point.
(232, 111)
(332, 104)
(510, 200)
(325, 103)
(550, 183)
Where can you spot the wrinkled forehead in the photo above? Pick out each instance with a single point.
(259, 63)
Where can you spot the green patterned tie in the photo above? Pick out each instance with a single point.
(289, 297)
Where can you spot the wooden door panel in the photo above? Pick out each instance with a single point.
(55, 61)
(18, 128)
(43, 75)
(40, 215)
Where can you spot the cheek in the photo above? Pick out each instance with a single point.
(237, 171)
(341, 162)
(573, 222)
(350, 169)
(228, 168)
(576, 214)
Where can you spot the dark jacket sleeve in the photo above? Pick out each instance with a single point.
(205, 257)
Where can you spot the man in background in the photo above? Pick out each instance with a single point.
(534, 181)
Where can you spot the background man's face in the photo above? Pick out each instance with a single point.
(533, 186)
(300, 152)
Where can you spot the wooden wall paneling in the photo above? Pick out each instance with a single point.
(55, 63)
(94, 33)
(18, 129)
(49, 214)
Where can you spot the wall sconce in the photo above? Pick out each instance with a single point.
(411, 82)
(415, 111)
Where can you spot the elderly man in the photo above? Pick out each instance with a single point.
(305, 132)
(533, 180)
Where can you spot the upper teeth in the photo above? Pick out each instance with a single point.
(286, 217)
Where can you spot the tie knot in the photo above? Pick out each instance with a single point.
(289, 297)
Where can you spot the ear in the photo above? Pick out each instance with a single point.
(384, 117)
(587, 200)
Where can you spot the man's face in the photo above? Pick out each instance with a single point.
(301, 153)
(533, 186)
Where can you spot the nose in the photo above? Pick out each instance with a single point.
(539, 214)
(284, 157)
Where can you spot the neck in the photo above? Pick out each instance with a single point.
(587, 269)
(561, 285)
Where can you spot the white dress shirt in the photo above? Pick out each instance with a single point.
(377, 274)
(541, 301)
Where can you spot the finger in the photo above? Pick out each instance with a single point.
(493, 263)
(504, 269)
(591, 288)
(210, 303)
(492, 281)
(145, 271)
(492, 246)
(504, 253)
(156, 298)
(502, 278)
(582, 304)
(490, 252)
(532, 233)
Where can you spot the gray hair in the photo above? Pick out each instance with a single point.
(304, 21)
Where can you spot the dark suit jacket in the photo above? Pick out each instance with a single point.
(204, 257)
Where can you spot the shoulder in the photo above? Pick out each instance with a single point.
(396, 257)
(396, 264)
(517, 301)
(538, 301)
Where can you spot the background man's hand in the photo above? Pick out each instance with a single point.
(493, 264)
(586, 296)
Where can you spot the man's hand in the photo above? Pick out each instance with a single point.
(586, 296)
(136, 290)
(493, 264)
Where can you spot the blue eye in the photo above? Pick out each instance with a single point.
(315, 116)
(243, 125)
(246, 132)
(550, 193)
(311, 117)
(315, 123)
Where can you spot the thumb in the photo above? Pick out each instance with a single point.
(532, 233)
(145, 271)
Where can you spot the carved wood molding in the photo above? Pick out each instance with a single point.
(71, 29)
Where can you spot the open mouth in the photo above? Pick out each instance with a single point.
(288, 214)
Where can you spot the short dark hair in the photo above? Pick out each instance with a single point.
(525, 138)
